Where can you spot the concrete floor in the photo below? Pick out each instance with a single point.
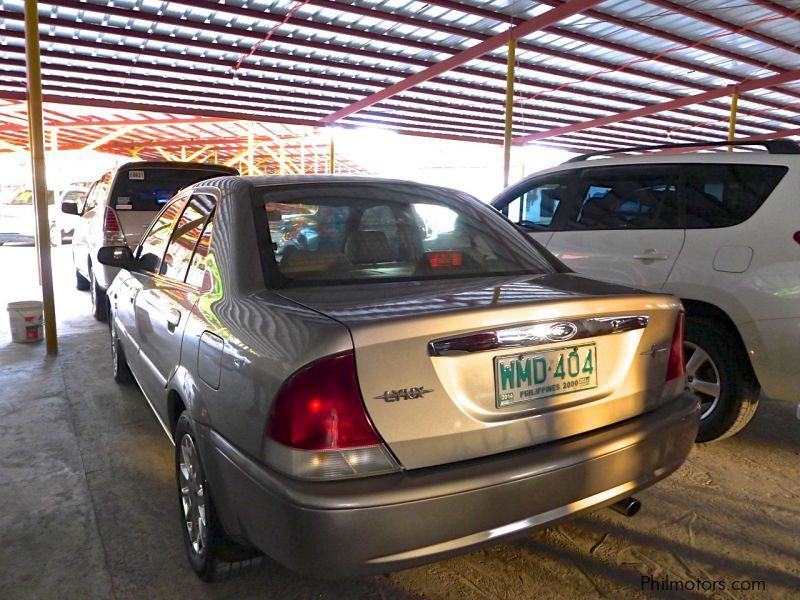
(89, 507)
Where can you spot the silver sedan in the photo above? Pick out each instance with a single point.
(362, 375)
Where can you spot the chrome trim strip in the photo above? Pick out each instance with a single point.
(535, 334)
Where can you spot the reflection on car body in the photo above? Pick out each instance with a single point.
(348, 389)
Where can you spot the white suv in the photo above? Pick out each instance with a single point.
(719, 230)
(117, 210)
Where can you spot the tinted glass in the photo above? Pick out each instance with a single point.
(151, 250)
(185, 236)
(151, 188)
(368, 232)
(723, 195)
(536, 208)
(627, 198)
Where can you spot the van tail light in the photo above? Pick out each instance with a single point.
(796, 236)
(112, 230)
(319, 428)
(676, 365)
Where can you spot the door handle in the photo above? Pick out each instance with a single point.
(173, 318)
(651, 254)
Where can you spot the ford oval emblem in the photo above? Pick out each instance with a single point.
(561, 331)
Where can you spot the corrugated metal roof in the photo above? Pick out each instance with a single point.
(324, 55)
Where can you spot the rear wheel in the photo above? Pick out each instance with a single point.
(211, 554)
(81, 282)
(721, 376)
(99, 299)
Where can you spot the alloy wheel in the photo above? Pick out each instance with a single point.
(702, 378)
(193, 496)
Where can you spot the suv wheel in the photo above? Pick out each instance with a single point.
(99, 299)
(211, 554)
(721, 376)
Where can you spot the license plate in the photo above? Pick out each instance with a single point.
(534, 375)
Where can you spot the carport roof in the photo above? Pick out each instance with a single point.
(590, 74)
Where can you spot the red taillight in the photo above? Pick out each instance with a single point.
(320, 408)
(797, 236)
(111, 223)
(676, 365)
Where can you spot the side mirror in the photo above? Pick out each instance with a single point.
(70, 208)
(116, 256)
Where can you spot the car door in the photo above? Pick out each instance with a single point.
(164, 300)
(130, 283)
(623, 224)
(536, 204)
(89, 225)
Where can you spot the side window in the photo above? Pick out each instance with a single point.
(151, 249)
(197, 269)
(537, 207)
(641, 197)
(722, 195)
(185, 237)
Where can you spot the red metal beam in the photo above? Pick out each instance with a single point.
(499, 78)
(561, 32)
(724, 25)
(746, 85)
(777, 8)
(451, 118)
(567, 9)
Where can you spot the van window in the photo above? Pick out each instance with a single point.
(721, 195)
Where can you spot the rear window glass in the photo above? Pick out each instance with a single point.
(324, 234)
(722, 195)
(150, 189)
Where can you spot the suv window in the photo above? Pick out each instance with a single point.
(97, 195)
(537, 207)
(185, 237)
(721, 195)
(627, 198)
(151, 250)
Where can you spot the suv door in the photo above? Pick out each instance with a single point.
(623, 224)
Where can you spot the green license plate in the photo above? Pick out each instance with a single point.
(534, 375)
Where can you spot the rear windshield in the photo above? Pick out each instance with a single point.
(150, 189)
(323, 234)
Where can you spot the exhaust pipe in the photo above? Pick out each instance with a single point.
(627, 506)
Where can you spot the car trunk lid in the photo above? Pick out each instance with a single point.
(457, 370)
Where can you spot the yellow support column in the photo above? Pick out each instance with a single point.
(732, 123)
(36, 138)
(332, 152)
(512, 50)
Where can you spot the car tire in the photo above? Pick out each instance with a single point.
(81, 282)
(212, 555)
(719, 372)
(99, 299)
(121, 370)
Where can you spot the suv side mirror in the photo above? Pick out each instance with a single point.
(70, 208)
(116, 256)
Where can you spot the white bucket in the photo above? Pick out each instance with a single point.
(26, 320)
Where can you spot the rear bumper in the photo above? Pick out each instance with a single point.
(390, 522)
(774, 348)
